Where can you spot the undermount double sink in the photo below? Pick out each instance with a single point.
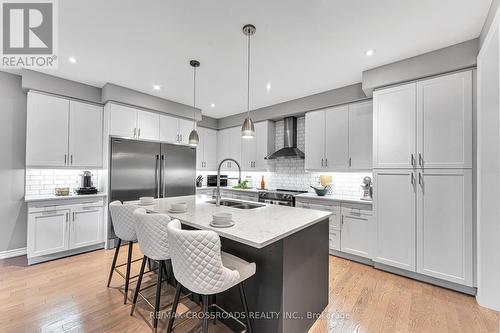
(236, 204)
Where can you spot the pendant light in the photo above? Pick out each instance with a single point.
(248, 129)
(194, 138)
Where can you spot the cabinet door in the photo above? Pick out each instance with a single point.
(185, 128)
(47, 232)
(444, 121)
(357, 234)
(210, 149)
(47, 130)
(232, 141)
(263, 143)
(169, 129)
(123, 121)
(394, 126)
(222, 147)
(249, 151)
(361, 136)
(337, 138)
(444, 225)
(86, 227)
(394, 208)
(315, 140)
(148, 125)
(85, 135)
(200, 149)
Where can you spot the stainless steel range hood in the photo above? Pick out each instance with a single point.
(290, 149)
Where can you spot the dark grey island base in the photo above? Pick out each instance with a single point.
(290, 286)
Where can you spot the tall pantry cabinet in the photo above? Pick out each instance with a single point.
(422, 159)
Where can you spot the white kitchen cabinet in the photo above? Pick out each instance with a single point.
(58, 228)
(185, 128)
(315, 140)
(206, 151)
(255, 150)
(123, 121)
(61, 132)
(48, 232)
(444, 121)
(334, 240)
(444, 225)
(86, 226)
(148, 125)
(85, 134)
(394, 127)
(175, 130)
(47, 130)
(361, 136)
(229, 146)
(358, 236)
(395, 208)
(337, 138)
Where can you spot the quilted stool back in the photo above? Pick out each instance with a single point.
(152, 234)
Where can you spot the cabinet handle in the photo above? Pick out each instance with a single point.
(354, 218)
(420, 160)
(71, 159)
(419, 178)
(135, 131)
(139, 133)
(67, 216)
(180, 138)
(350, 162)
(412, 179)
(326, 162)
(65, 158)
(73, 217)
(321, 162)
(412, 160)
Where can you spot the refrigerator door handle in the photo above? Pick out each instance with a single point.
(157, 176)
(164, 159)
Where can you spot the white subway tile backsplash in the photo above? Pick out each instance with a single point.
(44, 181)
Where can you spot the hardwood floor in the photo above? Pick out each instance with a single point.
(70, 295)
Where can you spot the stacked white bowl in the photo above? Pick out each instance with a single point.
(222, 219)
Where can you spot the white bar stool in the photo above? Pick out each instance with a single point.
(200, 266)
(153, 241)
(122, 217)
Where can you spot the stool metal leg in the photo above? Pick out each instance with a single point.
(158, 295)
(127, 276)
(174, 308)
(114, 261)
(204, 323)
(138, 286)
(245, 307)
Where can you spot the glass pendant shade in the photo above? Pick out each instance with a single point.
(248, 129)
(194, 138)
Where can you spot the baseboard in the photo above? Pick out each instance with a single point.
(351, 257)
(13, 253)
(58, 255)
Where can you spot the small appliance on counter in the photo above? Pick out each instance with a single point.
(86, 186)
(199, 181)
(367, 189)
(212, 180)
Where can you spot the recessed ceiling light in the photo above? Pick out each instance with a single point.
(370, 52)
(212, 105)
(72, 60)
(268, 87)
(156, 87)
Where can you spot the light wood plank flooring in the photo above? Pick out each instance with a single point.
(70, 295)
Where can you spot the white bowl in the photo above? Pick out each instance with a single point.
(178, 206)
(146, 200)
(222, 218)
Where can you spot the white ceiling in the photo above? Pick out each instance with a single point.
(300, 47)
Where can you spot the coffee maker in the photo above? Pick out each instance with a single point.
(86, 186)
(367, 189)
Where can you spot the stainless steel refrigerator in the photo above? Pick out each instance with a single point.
(150, 169)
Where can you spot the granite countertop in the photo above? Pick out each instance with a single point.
(35, 198)
(257, 227)
(334, 197)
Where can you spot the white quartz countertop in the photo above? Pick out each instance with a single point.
(334, 197)
(257, 227)
(50, 197)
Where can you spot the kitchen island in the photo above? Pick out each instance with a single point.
(290, 248)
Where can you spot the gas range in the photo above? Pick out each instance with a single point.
(279, 197)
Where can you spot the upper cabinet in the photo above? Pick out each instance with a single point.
(133, 123)
(424, 124)
(229, 146)
(255, 150)
(60, 132)
(339, 138)
(175, 130)
(206, 151)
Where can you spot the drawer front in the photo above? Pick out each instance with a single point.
(334, 208)
(334, 239)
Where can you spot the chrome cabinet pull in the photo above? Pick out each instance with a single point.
(71, 159)
(350, 162)
(65, 158)
(412, 160)
(73, 218)
(321, 162)
(139, 133)
(420, 160)
(419, 178)
(412, 179)
(326, 162)
(135, 131)
(67, 216)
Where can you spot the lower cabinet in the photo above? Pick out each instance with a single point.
(57, 228)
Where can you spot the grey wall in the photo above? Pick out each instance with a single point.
(489, 19)
(12, 147)
(298, 107)
(448, 59)
(55, 85)
(209, 122)
(115, 93)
